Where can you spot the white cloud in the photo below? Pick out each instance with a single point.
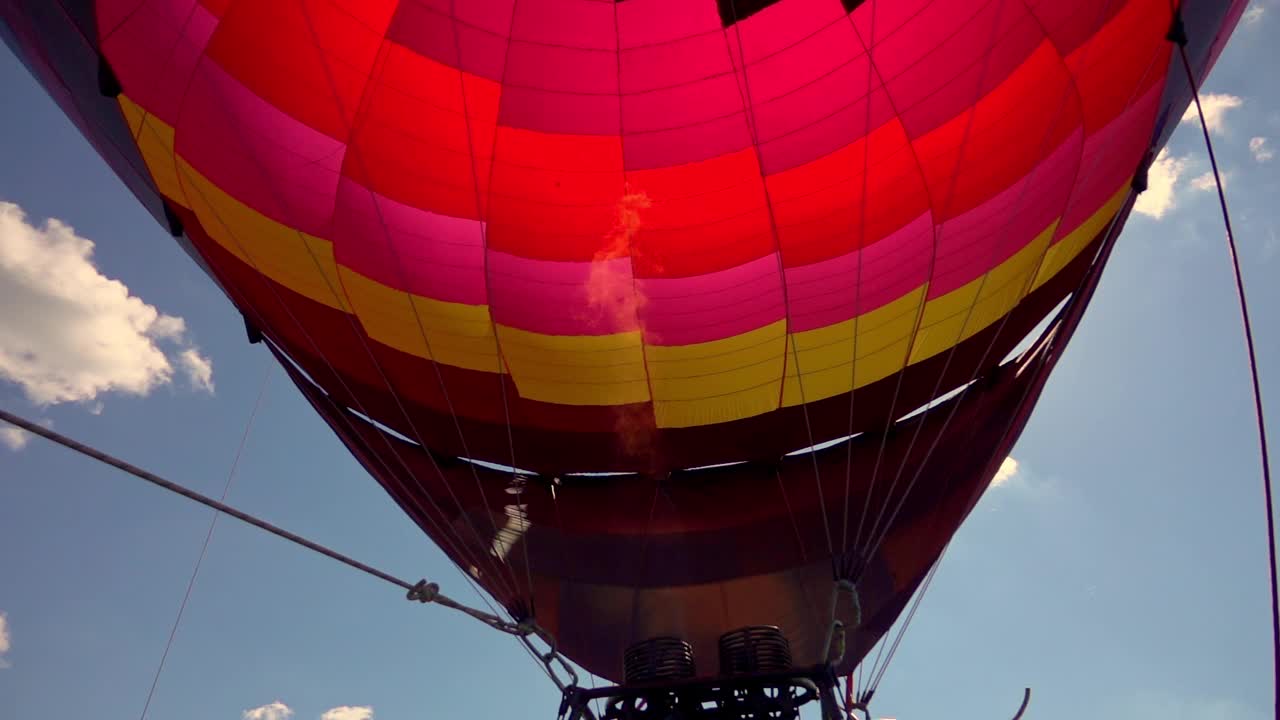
(1008, 470)
(348, 712)
(1253, 14)
(271, 711)
(1261, 149)
(1162, 181)
(15, 438)
(4, 640)
(1215, 107)
(199, 369)
(70, 333)
(1205, 182)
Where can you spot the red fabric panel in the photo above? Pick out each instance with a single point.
(415, 108)
(307, 57)
(829, 207)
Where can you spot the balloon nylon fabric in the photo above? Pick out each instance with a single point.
(642, 237)
(631, 235)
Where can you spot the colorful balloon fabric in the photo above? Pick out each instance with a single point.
(632, 238)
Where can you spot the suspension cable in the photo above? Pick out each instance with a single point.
(421, 591)
(1178, 34)
(878, 674)
(205, 500)
(208, 538)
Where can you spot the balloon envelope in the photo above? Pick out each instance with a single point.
(612, 243)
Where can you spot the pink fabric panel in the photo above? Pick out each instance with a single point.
(896, 50)
(493, 16)
(833, 47)
(1070, 24)
(562, 298)
(566, 23)
(888, 18)
(650, 22)
(963, 67)
(557, 112)
(678, 62)
(820, 137)
(1110, 158)
(404, 247)
(156, 50)
(682, 105)
(563, 69)
(804, 104)
(260, 155)
(432, 33)
(782, 26)
(684, 311)
(667, 148)
(974, 242)
(828, 292)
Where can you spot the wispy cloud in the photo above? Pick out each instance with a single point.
(1162, 183)
(4, 641)
(1008, 471)
(1261, 149)
(1205, 182)
(348, 712)
(1215, 107)
(15, 438)
(271, 711)
(69, 333)
(198, 369)
(1253, 15)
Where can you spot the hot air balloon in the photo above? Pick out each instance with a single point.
(692, 330)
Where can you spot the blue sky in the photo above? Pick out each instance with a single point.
(1121, 572)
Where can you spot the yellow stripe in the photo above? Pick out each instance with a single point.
(823, 354)
(298, 261)
(718, 381)
(155, 142)
(450, 333)
(576, 370)
(968, 309)
(1066, 249)
(698, 384)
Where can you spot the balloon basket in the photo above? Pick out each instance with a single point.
(750, 696)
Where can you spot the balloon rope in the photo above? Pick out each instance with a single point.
(421, 591)
(205, 500)
(1263, 450)
(512, 583)
(878, 674)
(454, 536)
(204, 549)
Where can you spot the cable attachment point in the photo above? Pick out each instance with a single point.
(859, 707)
(1177, 30)
(837, 633)
(423, 592)
(1142, 176)
(555, 664)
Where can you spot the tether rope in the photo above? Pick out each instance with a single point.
(1178, 34)
(134, 470)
